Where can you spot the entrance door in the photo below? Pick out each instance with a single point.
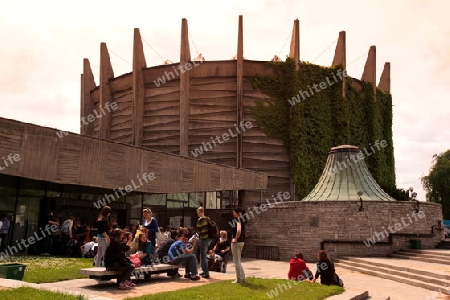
(25, 226)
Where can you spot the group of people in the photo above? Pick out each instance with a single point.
(299, 271)
(123, 251)
(5, 225)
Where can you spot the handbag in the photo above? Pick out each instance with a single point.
(338, 281)
(135, 260)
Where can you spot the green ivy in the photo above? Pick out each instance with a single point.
(322, 118)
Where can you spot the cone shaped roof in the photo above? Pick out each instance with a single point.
(345, 174)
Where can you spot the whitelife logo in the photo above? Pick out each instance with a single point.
(128, 189)
(91, 118)
(225, 137)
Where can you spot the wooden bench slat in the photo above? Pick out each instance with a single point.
(101, 271)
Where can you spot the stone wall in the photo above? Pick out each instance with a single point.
(291, 226)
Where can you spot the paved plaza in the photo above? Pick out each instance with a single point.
(355, 283)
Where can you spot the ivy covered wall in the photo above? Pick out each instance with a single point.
(308, 112)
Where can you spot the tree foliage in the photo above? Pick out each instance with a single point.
(437, 183)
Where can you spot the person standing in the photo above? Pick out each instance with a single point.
(103, 239)
(151, 225)
(237, 243)
(66, 234)
(47, 243)
(223, 248)
(202, 230)
(5, 224)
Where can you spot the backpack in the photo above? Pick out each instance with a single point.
(338, 281)
(213, 230)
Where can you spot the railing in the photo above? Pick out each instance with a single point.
(268, 252)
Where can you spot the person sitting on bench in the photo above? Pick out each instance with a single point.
(115, 260)
(145, 250)
(179, 253)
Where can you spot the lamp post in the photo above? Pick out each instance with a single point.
(361, 208)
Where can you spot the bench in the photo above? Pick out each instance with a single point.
(101, 273)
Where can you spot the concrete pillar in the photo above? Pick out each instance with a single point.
(295, 44)
(385, 79)
(138, 88)
(370, 69)
(106, 73)
(185, 88)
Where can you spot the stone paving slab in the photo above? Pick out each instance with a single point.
(355, 283)
(158, 283)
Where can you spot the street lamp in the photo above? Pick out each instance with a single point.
(361, 208)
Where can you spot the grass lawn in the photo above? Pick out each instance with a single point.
(254, 288)
(25, 293)
(42, 269)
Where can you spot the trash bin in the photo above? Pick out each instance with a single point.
(12, 271)
(416, 244)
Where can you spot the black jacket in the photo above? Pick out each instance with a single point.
(115, 253)
(325, 269)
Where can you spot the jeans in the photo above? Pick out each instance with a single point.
(102, 245)
(190, 260)
(126, 269)
(47, 244)
(236, 249)
(204, 244)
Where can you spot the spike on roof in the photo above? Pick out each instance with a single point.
(344, 175)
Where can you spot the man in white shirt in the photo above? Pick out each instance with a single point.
(88, 248)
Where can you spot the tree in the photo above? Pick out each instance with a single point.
(437, 183)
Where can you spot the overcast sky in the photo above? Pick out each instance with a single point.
(43, 44)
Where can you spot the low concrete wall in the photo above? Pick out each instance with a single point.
(302, 226)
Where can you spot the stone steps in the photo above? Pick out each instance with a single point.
(419, 278)
(424, 257)
(434, 253)
(397, 268)
(402, 271)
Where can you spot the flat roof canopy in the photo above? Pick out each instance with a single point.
(37, 152)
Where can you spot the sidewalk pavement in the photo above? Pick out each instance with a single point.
(355, 283)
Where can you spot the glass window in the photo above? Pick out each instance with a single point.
(8, 187)
(71, 191)
(26, 221)
(54, 190)
(184, 199)
(227, 199)
(196, 199)
(151, 200)
(135, 202)
(212, 200)
(175, 204)
(29, 187)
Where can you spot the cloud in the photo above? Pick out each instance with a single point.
(44, 43)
